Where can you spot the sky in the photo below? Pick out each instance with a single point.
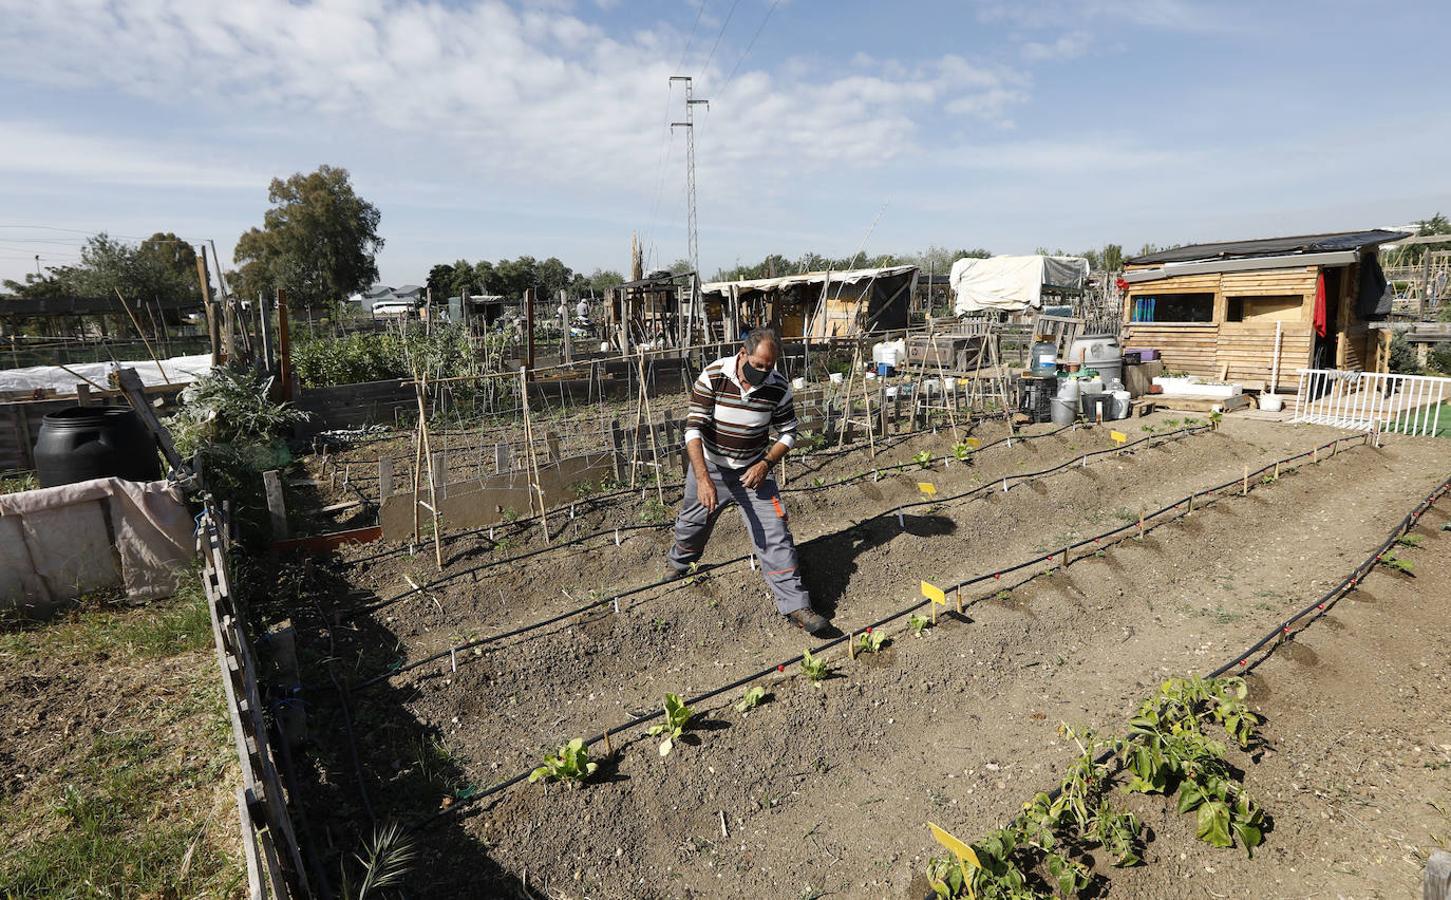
(490, 129)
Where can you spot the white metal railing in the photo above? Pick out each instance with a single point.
(1372, 401)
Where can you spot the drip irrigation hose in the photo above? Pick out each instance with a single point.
(523, 524)
(558, 545)
(990, 488)
(1319, 607)
(781, 666)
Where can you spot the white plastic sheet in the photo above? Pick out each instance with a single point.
(1012, 283)
(179, 369)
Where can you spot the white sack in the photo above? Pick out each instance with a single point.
(1012, 283)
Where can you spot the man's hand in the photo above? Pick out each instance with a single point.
(756, 474)
(705, 492)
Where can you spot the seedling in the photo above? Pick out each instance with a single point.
(962, 452)
(752, 699)
(918, 624)
(814, 668)
(1215, 418)
(870, 641)
(1391, 561)
(509, 514)
(570, 764)
(1410, 540)
(677, 720)
(923, 459)
(818, 482)
(653, 512)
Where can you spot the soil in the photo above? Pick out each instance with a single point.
(824, 789)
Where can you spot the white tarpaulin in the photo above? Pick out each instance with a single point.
(847, 276)
(178, 369)
(1012, 283)
(61, 542)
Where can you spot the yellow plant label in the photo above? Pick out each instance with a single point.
(974, 443)
(934, 593)
(1118, 436)
(960, 850)
(927, 487)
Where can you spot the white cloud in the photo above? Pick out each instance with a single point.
(1067, 46)
(30, 148)
(511, 93)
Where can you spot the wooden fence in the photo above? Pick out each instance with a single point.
(274, 859)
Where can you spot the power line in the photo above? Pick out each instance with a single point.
(720, 34)
(762, 27)
(699, 11)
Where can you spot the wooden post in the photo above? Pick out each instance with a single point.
(617, 444)
(528, 333)
(385, 479)
(269, 347)
(83, 395)
(1141, 524)
(284, 346)
(531, 461)
(214, 333)
(1244, 488)
(502, 462)
(276, 507)
(425, 450)
(566, 342)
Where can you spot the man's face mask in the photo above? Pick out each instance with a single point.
(754, 376)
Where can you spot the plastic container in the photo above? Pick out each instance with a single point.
(85, 442)
(1271, 402)
(836, 377)
(1146, 354)
(798, 383)
(1045, 358)
(1063, 412)
(885, 369)
(1098, 351)
(1119, 407)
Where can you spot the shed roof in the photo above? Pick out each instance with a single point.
(1280, 246)
(847, 276)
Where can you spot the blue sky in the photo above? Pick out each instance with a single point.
(490, 129)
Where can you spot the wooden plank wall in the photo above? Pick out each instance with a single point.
(1246, 348)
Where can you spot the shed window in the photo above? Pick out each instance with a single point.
(1279, 308)
(1174, 308)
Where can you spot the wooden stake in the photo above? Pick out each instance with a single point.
(959, 599)
(532, 462)
(425, 450)
(609, 751)
(851, 644)
(1141, 524)
(1277, 470)
(1244, 492)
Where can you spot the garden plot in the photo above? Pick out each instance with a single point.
(825, 787)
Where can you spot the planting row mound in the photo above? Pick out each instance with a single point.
(496, 712)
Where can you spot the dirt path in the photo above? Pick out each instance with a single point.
(931, 728)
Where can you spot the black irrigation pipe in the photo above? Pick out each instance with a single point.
(558, 545)
(1319, 607)
(987, 489)
(523, 524)
(781, 666)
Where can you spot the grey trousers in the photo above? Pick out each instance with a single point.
(765, 518)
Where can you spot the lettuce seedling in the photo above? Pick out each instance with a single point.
(677, 720)
(814, 668)
(918, 624)
(571, 764)
(922, 458)
(870, 641)
(752, 699)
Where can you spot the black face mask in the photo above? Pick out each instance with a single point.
(754, 376)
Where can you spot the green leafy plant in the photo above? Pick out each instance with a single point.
(870, 641)
(918, 624)
(653, 512)
(1410, 540)
(751, 699)
(1215, 418)
(571, 763)
(814, 667)
(509, 514)
(1391, 561)
(923, 459)
(809, 440)
(962, 451)
(386, 860)
(818, 482)
(677, 721)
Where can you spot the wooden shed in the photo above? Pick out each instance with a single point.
(1220, 310)
(815, 304)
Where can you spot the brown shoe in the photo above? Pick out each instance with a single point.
(810, 621)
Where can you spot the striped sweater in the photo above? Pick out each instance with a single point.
(734, 420)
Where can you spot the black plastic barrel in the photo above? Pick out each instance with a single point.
(85, 442)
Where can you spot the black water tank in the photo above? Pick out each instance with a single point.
(85, 442)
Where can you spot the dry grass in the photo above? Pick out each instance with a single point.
(117, 768)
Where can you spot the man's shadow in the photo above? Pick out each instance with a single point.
(829, 562)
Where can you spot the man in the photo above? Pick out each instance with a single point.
(734, 404)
